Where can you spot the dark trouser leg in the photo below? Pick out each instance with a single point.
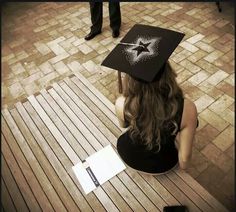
(114, 14)
(96, 16)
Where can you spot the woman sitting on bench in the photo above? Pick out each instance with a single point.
(161, 122)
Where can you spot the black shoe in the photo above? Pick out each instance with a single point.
(115, 33)
(91, 35)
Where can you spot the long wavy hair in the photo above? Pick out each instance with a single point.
(150, 108)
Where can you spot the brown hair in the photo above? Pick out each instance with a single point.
(149, 106)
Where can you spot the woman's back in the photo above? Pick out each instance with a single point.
(136, 155)
(153, 112)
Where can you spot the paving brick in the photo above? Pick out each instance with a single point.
(224, 162)
(91, 66)
(217, 77)
(213, 56)
(197, 56)
(203, 102)
(221, 104)
(31, 88)
(195, 38)
(183, 75)
(211, 175)
(42, 48)
(199, 161)
(45, 81)
(59, 58)
(204, 136)
(188, 46)
(230, 79)
(190, 66)
(85, 48)
(225, 139)
(211, 152)
(208, 39)
(198, 77)
(181, 56)
(192, 92)
(231, 152)
(16, 90)
(205, 47)
(32, 78)
(17, 68)
(215, 120)
(46, 67)
(226, 88)
(210, 68)
(61, 68)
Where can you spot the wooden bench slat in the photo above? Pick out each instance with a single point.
(181, 197)
(36, 167)
(12, 186)
(55, 132)
(91, 139)
(189, 192)
(105, 109)
(44, 156)
(6, 201)
(61, 126)
(94, 114)
(201, 191)
(68, 165)
(27, 161)
(58, 158)
(15, 169)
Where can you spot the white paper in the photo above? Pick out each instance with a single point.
(104, 164)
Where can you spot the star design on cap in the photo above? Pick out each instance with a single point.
(143, 47)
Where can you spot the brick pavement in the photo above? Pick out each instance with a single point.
(44, 42)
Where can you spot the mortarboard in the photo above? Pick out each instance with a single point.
(143, 51)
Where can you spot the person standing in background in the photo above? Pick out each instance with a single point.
(96, 19)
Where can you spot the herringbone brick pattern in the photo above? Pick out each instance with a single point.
(44, 42)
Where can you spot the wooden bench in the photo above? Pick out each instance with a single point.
(49, 132)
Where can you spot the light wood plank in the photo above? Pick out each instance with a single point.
(57, 157)
(105, 108)
(27, 161)
(36, 167)
(15, 169)
(201, 191)
(179, 195)
(101, 97)
(65, 130)
(46, 158)
(103, 196)
(189, 192)
(56, 133)
(6, 201)
(85, 131)
(11, 185)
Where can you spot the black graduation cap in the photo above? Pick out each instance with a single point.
(143, 51)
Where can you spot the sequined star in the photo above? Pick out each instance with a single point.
(142, 48)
